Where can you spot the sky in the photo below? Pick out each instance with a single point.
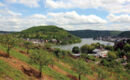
(17, 15)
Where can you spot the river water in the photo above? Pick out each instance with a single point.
(83, 42)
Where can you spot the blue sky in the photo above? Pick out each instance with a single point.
(17, 15)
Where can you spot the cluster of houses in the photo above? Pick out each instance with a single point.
(40, 41)
(100, 53)
(111, 39)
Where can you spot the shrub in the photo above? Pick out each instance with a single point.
(87, 48)
(76, 49)
(112, 55)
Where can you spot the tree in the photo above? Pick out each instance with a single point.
(127, 47)
(9, 41)
(108, 47)
(97, 45)
(41, 58)
(128, 57)
(27, 46)
(87, 48)
(76, 49)
(112, 55)
(102, 74)
(80, 68)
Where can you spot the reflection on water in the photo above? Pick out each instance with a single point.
(84, 41)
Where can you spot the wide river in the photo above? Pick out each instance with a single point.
(84, 41)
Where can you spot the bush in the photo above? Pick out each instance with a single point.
(87, 48)
(104, 62)
(128, 66)
(91, 58)
(76, 49)
(127, 47)
(112, 55)
(111, 48)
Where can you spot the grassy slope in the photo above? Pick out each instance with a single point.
(7, 71)
(64, 68)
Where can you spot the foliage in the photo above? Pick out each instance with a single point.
(75, 49)
(9, 41)
(40, 58)
(80, 68)
(49, 33)
(112, 55)
(96, 45)
(125, 34)
(127, 47)
(28, 46)
(128, 66)
(94, 33)
(102, 74)
(87, 48)
(110, 63)
(108, 47)
(128, 57)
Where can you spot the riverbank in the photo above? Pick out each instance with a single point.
(84, 41)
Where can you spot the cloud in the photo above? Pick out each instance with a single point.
(68, 20)
(121, 19)
(72, 3)
(13, 21)
(29, 3)
(1, 4)
(73, 18)
(113, 6)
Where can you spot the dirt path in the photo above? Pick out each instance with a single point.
(16, 63)
(59, 70)
(21, 51)
(65, 65)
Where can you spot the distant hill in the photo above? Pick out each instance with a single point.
(5, 32)
(49, 32)
(94, 33)
(125, 34)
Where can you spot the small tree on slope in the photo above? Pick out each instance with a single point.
(81, 68)
(40, 58)
(8, 41)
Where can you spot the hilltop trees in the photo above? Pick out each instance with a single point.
(40, 58)
(49, 33)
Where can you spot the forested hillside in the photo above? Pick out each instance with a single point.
(94, 33)
(49, 33)
(5, 32)
(125, 34)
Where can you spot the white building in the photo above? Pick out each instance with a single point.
(100, 53)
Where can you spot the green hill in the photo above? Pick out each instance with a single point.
(125, 34)
(94, 33)
(48, 33)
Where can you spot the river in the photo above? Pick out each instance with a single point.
(84, 41)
